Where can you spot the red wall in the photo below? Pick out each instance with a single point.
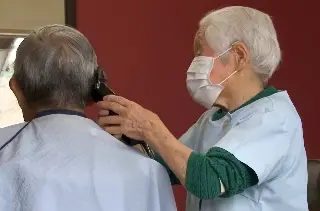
(146, 47)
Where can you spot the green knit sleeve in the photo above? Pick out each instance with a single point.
(174, 180)
(204, 173)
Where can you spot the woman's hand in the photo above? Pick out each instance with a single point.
(102, 115)
(139, 123)
(132, 120)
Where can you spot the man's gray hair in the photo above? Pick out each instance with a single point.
(223, 27)
(54, 67)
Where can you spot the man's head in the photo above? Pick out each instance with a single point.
(54, 68)
(248, 41)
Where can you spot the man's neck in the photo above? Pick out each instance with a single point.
(60, 108)
(31, 114)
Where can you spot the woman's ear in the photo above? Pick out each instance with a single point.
(241, 54)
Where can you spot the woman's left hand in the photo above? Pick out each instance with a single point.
(133, 120)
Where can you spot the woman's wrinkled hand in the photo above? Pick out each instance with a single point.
(102, 115)
(132, 120)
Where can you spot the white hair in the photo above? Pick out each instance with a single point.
(223, 27)
(55, 67)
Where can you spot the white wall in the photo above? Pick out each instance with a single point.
(3, 56)
(30, 14)
(10, 112)
(22, 15)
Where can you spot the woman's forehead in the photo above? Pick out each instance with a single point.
(201, 47)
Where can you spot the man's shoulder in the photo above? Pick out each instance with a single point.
(12, 127)
(125, 157)
(138, 160)
(7, 132)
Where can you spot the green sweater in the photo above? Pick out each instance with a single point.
(204, 171)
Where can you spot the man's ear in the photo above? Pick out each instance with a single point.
(242, 55)
(14, 87)
(28, 113)
(12, 84)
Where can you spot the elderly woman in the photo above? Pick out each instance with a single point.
(246, 152)
(59, 160)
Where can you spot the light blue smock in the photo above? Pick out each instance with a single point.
(267, 136)
(68, 163)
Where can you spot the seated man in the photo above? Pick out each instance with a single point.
(59, 160)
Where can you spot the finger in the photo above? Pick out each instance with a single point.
(114, 130)
(104, 112)
(112, 106)
(110, 120)
(118, 99)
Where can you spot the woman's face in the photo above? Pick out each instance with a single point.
(221, 69)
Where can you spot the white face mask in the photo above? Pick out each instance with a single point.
(199, 85)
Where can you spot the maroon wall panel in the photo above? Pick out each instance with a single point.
(145, 48)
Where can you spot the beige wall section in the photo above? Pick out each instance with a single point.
(30, 14)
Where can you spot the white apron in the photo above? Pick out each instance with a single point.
(68, 163)
(267, 136)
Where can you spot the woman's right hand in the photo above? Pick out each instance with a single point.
(103, 113)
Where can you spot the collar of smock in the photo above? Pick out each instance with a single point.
(270, 90)
(59, 111)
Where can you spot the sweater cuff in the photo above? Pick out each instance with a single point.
(197, 181)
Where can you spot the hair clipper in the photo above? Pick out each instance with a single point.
(99, 90)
